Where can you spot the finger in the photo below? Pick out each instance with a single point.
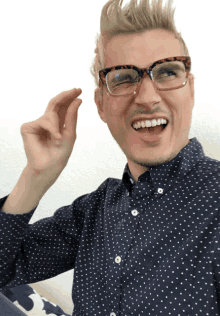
(41, 128)
(51, 127)
(63, 99)
(71, 117)
(53, 120)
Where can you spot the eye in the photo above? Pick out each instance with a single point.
(123, 78)
(166, 71)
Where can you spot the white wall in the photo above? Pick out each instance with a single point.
(47, 47)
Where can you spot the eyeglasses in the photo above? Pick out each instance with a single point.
(166, 74)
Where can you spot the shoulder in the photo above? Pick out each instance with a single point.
(210, 165)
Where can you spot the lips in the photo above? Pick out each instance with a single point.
(147, 136)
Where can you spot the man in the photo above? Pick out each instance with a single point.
(120, 112)
(143, 245)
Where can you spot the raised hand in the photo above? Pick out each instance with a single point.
(47, 153)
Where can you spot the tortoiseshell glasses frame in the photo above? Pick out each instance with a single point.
(143, 72)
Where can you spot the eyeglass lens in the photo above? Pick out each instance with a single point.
(165, 76)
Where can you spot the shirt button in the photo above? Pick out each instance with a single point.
(117, 260)
(112, 314)
(134, 212)
(160, 190)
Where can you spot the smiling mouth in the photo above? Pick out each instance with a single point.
(151, 129)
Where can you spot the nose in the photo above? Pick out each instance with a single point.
(146, 91)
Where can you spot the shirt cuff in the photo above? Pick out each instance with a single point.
(27, 215)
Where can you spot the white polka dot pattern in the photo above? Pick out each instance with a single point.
(137, 248)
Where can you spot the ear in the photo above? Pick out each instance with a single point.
(99, 103)
(191, 84)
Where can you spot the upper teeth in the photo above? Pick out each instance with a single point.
(143, 124)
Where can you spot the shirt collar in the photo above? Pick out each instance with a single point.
(178, 167)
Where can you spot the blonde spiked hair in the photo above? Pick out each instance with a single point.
(134, 18)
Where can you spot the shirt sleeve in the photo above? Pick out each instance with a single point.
(34, 252)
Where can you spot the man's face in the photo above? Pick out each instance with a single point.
(142, 50)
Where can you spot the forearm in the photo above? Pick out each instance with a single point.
(26, 194)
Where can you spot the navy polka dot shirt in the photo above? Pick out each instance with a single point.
(150, 247)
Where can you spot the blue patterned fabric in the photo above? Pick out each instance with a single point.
(31, 303)
(149, 247)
